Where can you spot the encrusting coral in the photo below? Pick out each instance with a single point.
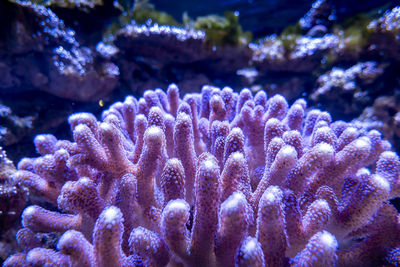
(211, 179)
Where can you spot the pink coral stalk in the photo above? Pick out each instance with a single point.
(206, 209)
(107, 238)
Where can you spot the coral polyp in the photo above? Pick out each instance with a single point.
(216, 178)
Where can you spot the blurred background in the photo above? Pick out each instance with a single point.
(58, 57)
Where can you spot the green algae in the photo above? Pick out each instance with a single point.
(356, 32)
(219, 30)
(222, 31)
(289, 37)
(144, 12)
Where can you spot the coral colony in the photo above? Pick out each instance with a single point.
(214, 179)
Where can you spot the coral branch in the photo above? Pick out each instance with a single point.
(167, 180)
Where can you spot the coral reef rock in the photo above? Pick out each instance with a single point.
(383, 115)
(13, 127)
(351, 89)
(292, 54)
(37, 52)
(173, 53)
(13, 199)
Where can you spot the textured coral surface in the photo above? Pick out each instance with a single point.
(215, 178)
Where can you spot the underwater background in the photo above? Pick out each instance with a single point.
(60, 57)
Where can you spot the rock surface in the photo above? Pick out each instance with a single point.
(38, 52)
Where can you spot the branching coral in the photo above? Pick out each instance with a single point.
(211, 179)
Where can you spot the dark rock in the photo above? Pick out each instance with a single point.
(13, 127)
(322, 12)
(300, 54)
(154, 56)
(383, 115)
(346, 92)
(37, 52)
(385, 35)
(89, 18)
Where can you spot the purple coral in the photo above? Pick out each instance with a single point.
(214, 179)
